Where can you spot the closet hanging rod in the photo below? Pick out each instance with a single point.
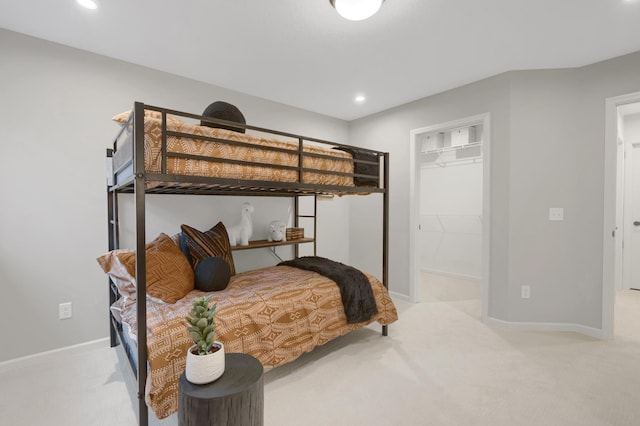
(456, 162)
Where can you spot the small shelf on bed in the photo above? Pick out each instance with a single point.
(265, 243)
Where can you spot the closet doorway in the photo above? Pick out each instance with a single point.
(449, 189)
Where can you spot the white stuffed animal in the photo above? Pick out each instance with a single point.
(240, 233)
(277, 231)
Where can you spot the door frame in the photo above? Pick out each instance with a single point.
(609, 270)
(414, 203)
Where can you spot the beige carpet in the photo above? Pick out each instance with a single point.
(439, 366)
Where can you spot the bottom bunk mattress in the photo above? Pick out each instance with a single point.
(274, 314)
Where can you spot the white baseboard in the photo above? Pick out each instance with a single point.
(399, 296)
(546, 326)
(42, 357)
(452, 274)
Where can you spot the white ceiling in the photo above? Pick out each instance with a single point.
(301, 53)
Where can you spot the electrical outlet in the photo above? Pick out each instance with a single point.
(556, 214)
(65, 310)
(525, 292)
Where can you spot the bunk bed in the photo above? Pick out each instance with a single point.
(164, 151)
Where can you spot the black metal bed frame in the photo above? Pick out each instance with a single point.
(135, 183)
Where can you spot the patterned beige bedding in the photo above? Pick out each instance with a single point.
(215, 151)
(275, 314)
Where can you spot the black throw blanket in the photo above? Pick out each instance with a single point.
(355, 288)
(371, 170)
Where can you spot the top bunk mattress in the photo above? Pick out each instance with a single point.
(206, 152)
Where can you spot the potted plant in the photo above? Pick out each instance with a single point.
(205, 359)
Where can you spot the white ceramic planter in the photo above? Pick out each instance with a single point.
(201, 369)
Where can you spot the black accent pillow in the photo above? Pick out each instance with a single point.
(224, 111)
(212, 274)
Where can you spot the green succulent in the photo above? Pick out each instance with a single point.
(202, 324)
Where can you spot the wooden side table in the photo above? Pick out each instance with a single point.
(235, 399)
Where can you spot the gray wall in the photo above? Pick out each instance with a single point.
(390, 131)
(55, 124)
(547, 150)
(547, 135)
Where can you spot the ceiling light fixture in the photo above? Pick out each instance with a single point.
(356, 10)
(88, 4)
(359, 99)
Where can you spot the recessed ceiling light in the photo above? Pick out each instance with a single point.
(360, 99)
(89, 4)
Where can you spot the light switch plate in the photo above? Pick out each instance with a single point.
(65, 310)
(556, 213)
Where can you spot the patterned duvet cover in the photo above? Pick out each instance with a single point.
(274, 314)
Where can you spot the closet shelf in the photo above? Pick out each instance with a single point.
(451, 148)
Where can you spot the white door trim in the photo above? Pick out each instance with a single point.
(609, 218)
(414, 199)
